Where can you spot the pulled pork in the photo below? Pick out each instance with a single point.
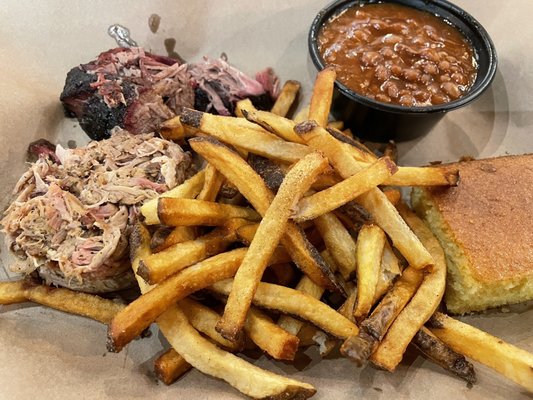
(74, 209)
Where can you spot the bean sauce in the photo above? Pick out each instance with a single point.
(397, 54)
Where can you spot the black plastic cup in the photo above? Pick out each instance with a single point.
(379, 122)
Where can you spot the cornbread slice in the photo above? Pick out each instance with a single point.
(486, 230)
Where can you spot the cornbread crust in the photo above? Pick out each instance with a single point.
(484, 225)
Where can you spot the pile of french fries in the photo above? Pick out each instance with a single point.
(293, 234)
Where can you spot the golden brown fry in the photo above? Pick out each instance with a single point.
(341, 193)
(12, 292)
(359, 348)
(188, 189)
(209, 359)
(204, 355)
(370, 243)
(286, 98)
(267, 169)
(159, 266)
(384, 213)
(172, 129)
(306, 285)
(339, 125)
(389, 270)
(140, 313)
(212, 183)
(293, 302)
(302, 115)
(339, 243)
(322, 96)
(242, 105)
(423, 304)
(352, 146)
(62, 299)
(393, 303)
(254, 189)
(204, 320)
(189, 212)
(269, 337)
(233, 131)
(394, 196)
(170, 366)
(179, 234)
(279, 125)
(309, 335)
(421, 176)
(266, 239)
(391, 151)
(348, 306)
(438, 352)
(506, 359)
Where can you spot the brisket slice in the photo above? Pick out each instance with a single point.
(137, 91)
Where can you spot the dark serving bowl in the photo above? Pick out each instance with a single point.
(377, 121)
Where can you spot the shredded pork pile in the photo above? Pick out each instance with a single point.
(74, 208)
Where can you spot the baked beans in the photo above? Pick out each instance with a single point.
(397, 54)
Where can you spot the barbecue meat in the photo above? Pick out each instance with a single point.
(73, 210)
(136, 90)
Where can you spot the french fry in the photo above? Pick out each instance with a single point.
(510, 361)
(384, 213)
(394, 196)
(370, 243)
(209, 359)
(12, 292)
(204, 319)
(391, 151)
(434, 349)
(254, 189)
(352, 146)
(178, 234)
(421, 176)
(62, 299)
(423, 304)
(159, 266)
(170, 366)
(266, 239)
(279, 125)
(286, 98)
(213, 181)
(322, 96)
(233, 131)
(293, 302)
(373, 329)
(139, 314)
(388, 271)
(188, 189)
(341, 193)
(339, 243)
(269, 337)
(393, 303)
(243, 105)
(309, 335)
(347, 308)
(302, 114)
(172, 129)
(339, 125)
(190, 212)
(306, 286)
(268, 170)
